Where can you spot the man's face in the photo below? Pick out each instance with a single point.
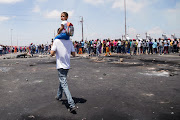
(63, 17)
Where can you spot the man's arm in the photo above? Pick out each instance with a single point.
(52, 52)
(73, 54)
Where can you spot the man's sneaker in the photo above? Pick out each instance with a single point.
(57, 98)
(73, 109)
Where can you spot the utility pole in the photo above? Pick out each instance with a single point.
(125, 16)
(82, 27)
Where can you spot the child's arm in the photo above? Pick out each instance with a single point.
(60, 30)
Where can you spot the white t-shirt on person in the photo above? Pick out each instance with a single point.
(63, 49)
(65, 26)
(1, 48)
(139, 44)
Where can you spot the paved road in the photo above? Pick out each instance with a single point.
(139, 88)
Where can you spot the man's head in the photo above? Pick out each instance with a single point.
(64, 16)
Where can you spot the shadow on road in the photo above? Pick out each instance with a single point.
(76, 100)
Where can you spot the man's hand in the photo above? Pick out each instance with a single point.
(73, 54)
(52, 53)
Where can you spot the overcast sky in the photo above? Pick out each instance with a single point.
(35, 21)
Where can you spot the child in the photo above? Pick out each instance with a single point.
(62, 30)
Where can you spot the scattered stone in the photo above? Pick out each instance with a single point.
(121, 60)
(32, 65)
(97, 70)
(26, 79)
(149, 95)
(100, 78)
(172, 113)
(40, 56)
(171, 74)
(104, 74)
(21, 55)
(31, 116)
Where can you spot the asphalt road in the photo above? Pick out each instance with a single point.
(139, 88)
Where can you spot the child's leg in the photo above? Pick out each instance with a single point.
(62, 36)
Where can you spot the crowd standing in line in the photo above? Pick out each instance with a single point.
(32, 49)
(133, 47)
(106, 46)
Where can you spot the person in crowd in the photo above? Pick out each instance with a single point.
(171, 46)
(175, 46)
(115, 46)
(82, 46)
(112, 46)
(131, 47)
(42, 49)
(85, 47)
(144, 46)
(139, 47)
(104, 46)
(89, 48)
(119, 46)
(1, 50)
(150, 46)
(107, 48)
(155, 46)
(98, 47)
(160, 46)
(165, 46)
(178, 47)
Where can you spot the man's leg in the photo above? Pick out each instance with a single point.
(59, 92)
(64, 85)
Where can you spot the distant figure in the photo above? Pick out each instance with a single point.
(1, 50)
(63, 49)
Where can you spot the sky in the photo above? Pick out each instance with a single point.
(36, 21)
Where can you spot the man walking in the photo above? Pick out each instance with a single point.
(63, 49)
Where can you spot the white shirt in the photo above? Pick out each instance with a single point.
(139, 44)
(63, 49)
(1, 48)
(119, 43)
(65, 26)
(98, 43)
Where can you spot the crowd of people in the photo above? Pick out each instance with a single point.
(106, 46)
(133, 47)
(32, 49)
